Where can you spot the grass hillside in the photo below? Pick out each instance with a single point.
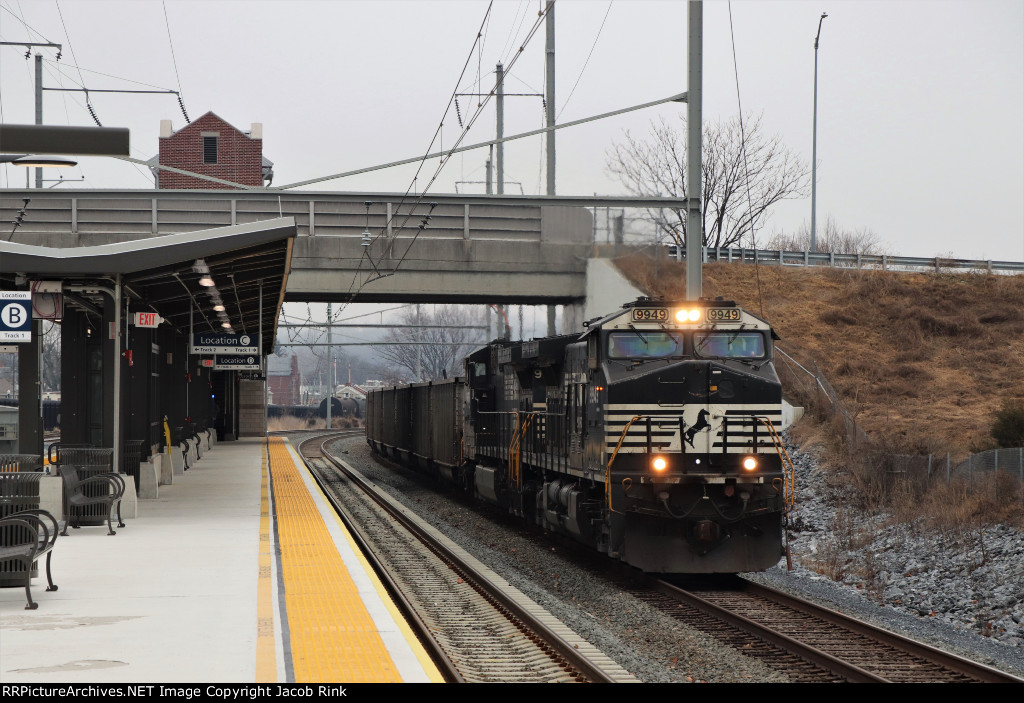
(921, 361)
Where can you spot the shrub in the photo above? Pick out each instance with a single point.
(1008, 427)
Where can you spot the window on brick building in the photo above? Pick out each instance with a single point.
(209, 150)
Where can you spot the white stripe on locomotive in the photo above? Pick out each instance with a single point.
(744, 421)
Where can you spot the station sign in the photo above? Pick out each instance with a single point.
(219, 343)
(237, 362)
(15, 316)
(147, 319)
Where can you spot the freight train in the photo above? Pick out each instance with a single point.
(653, 436)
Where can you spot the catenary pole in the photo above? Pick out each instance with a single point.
(549, 89)
(694, 235)
(499, 104)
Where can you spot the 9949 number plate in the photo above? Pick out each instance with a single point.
(723, 314)
(650, 315)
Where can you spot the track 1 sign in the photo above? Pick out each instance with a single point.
(15, 316)
(217, 343)
(236, 362)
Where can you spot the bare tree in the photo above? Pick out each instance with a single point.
(51, 357)
(744, 173)
(434, 352)
(832, 239)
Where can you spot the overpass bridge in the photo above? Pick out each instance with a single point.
(352, 247)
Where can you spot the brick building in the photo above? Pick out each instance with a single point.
(285, 381)
(211, 146)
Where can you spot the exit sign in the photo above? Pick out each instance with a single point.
(147, 319)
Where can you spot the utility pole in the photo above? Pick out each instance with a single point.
(500, 104)
(549, 120)
(39, 108)
(814, 142)
(549, 71)
(694, 236)
(419, 350)
(330, 365)
(490, 185)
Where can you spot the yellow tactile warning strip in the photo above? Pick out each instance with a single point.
(332, 637)
(266, 653)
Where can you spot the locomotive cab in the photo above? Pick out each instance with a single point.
(691, 409)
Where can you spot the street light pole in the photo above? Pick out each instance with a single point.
(814, 140)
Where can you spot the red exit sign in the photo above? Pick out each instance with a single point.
(147, 319)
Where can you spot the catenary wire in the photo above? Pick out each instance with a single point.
(587, 61)
(746, 167)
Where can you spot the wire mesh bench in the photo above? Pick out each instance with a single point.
(25, 536)
(84, 489)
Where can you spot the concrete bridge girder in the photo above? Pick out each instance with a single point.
(437, 270)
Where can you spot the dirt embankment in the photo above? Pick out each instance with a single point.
(922, 361)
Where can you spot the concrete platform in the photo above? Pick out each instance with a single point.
(192, 590)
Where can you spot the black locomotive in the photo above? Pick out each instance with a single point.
(652, 436)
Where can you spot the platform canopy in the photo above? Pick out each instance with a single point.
(163, 274)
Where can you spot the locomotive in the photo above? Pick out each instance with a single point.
(653, 436)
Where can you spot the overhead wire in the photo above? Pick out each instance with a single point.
(587, 61)
(181, 102)
(71, 50)
(350, 294)
(746, 167)
(447, 157)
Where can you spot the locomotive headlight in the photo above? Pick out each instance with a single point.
(659, 463)
(688, 315)
(750, 463)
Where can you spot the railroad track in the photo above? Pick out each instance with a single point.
(479, 628)
(810, 643)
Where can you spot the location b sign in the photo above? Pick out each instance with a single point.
(15, 316)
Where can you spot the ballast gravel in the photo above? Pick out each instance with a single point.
(656, 648)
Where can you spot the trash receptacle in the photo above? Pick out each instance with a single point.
(132, 459)
(89, 461)
(19, 490)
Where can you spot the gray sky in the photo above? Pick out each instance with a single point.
(920, 113)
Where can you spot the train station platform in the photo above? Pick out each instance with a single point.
(238, 573)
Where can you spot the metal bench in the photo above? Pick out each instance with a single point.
(25, 536)
(107, 489)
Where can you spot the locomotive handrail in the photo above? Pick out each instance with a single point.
(787, 463)
(518, 441)
(608, 469)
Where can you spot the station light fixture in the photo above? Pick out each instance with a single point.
(203, 270)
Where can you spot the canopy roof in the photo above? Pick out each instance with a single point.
(249, 265)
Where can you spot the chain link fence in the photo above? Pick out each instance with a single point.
(805, 381)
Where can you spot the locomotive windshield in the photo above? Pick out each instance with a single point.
(729, 345)
(644, 344)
